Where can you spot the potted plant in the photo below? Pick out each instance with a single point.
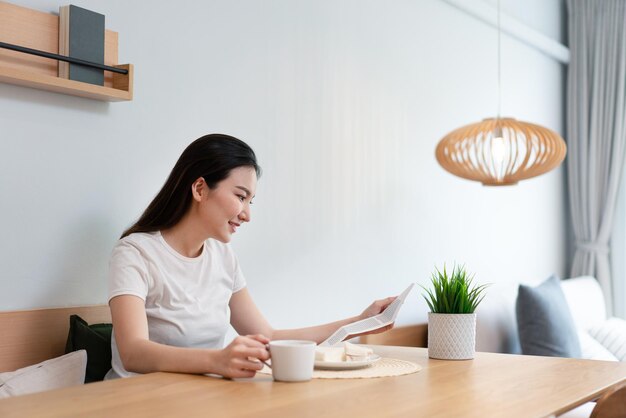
(452, 320)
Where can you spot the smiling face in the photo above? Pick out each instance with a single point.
(224, 209)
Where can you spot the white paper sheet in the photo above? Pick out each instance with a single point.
(383, 319)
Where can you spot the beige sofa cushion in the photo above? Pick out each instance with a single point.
(60, 372)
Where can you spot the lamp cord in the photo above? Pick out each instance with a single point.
(499, 59)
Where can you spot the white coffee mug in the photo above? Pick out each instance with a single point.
(292, 360)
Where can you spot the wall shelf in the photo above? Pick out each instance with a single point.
(40, 30)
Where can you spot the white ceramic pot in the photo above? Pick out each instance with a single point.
(451, 336)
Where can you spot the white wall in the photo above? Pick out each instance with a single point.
(545, 16)
(344, 103)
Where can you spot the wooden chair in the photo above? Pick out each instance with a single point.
(407, 336)
(612, 404)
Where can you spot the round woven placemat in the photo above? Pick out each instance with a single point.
(382, 368)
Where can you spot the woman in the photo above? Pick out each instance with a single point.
(175, 284)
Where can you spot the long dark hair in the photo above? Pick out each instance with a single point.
(211, 157)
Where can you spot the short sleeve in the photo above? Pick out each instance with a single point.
(239, 281)
(128, 274)
(231, 264)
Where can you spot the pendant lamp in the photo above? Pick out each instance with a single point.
(500, 151)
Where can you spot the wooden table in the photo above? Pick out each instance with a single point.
(491, 385)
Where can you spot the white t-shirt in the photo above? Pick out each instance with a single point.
(186, 298)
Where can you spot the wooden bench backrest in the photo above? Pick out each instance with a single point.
(29, 337)
(407, 336)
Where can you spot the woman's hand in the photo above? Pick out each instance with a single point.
(377, 307)
(243, 357)
(374, 309)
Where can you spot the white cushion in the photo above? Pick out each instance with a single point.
(586, 301)
(60, 372)
(583, 411)
(591, 349)
(612, 335)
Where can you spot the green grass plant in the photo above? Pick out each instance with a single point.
(454, 293)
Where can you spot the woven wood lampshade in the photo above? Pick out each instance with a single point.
(500, 151)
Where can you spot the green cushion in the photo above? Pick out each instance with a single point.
(96, 340)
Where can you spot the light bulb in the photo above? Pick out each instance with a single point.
(498, 149)
(498, 153)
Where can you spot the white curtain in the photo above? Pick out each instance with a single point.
(618, 254)
(596, 131)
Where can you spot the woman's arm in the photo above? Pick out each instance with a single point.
(247, 319)
(140, 355)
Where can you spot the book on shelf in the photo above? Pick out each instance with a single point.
(81, 35)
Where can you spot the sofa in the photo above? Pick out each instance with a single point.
(497, 330)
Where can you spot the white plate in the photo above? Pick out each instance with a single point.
(346, 365)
